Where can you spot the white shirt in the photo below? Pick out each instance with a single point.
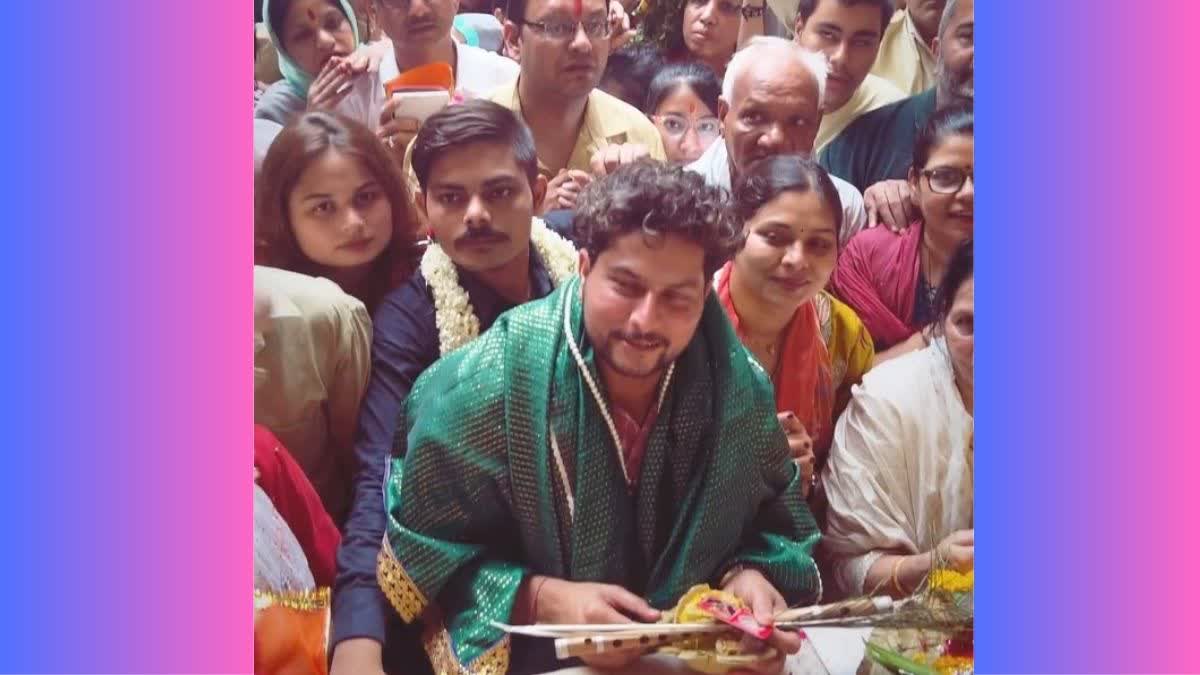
(478, 72)
(714, 166)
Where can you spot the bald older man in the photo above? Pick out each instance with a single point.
(770, 105)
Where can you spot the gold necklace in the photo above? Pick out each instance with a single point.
(770, 346)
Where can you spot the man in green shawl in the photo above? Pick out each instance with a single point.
(598, 452)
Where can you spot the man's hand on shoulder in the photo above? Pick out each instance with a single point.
(890, 203)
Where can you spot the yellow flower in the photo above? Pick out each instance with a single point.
(951, 665)
(952, 581)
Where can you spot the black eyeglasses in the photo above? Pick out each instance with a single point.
(948, 180)
(595, 29)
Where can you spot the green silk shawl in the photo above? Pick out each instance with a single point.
(475, 500)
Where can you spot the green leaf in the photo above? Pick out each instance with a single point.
(895, 662)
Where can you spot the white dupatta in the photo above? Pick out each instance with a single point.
(900, 472)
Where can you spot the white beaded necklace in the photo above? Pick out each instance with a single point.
(587, 376)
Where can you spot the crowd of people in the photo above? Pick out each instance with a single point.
(669, 292)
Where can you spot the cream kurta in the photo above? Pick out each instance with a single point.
(904, 58)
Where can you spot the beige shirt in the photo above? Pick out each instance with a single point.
(904, 58)
(607, 120)
(874, 92)
(312, 358)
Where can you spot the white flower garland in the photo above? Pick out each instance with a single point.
(455, 317)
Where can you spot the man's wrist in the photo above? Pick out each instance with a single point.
(737, 569)
(359, 648)
(729, 575)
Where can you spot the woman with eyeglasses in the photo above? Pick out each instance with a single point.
(889, 278)
(901, 470)
(694, 30)
(682, 103)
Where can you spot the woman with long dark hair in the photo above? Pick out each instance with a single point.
(330, 202)
(694, 30)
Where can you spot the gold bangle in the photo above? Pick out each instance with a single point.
(896, 577)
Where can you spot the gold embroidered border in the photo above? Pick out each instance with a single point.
(305, 601)
(399, 588)
(441, 653)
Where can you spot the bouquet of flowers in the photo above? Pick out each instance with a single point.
(944, 644)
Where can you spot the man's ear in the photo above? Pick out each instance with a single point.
(512, 40)
(914, 180)
(722, 111)
(797, 27)
(585, 263)
(539, 188)
(419, 202)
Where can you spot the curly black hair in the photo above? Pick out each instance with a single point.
(658, 199)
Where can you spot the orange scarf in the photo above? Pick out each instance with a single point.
(803, 378)
(290, 633)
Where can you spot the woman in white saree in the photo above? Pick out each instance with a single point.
(901, 469)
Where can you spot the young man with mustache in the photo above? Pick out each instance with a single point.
(579, 130)
(599, 451)
(477, 170)
(876, 152)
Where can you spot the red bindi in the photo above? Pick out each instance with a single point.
(578, 9)
(312, 16)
